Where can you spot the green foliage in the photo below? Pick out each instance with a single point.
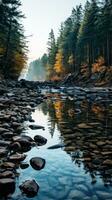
(13, 48)
(84, 37)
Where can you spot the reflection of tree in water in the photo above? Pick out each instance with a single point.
(48, 109)
(86, 135)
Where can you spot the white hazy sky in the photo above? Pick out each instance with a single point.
(41, 16)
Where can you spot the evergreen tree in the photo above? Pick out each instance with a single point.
(51, 53)
(12, 40)
(86, 46)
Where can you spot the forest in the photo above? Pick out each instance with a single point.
(84, 44)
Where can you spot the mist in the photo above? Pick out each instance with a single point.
(36, 71)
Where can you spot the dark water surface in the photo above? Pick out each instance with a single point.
(82, 168)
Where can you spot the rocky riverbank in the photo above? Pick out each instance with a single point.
(17, 101)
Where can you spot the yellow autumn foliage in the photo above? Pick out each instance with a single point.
(58, 105)
(58, 67)
(98, 66)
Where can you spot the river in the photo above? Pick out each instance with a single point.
(81, 165)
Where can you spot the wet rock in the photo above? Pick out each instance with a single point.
(35, 127)
(40, 140)
(6, 125)
(8, 165)
(8, 135)
(3, 151)
(3, 130)
(24, 165)
(57, 146)
(17, 157)
(105, 153)
(16, 147)
(7, 186)
(37, 163)
(16, 124)
(28, 138)
(100, 143)
(4, 143)
(7, 174)
(107, 162)
(30, 188)
(24, 142)
(92, 146)
(84, 126)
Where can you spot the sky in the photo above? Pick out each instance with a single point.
(41, 16)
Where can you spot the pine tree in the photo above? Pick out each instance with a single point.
(52, 49)
(87, 34)
(12, 40)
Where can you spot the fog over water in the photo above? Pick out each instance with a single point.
(36, 72)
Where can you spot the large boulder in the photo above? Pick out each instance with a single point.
(30, 188)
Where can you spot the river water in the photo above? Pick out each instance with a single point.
(81, 168)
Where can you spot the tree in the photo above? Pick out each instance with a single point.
(59, 67)
(12, 41)
(51, 53)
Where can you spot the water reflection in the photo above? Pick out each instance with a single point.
(85, 129)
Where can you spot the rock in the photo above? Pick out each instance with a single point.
(8, 165)
(24, 142)
(100, 143)
(107, 162)
(106, 153)
(17, 157)
(40, 140)
(7, 186)
(16, 124)
(3, 130)
(57, 146)
(37, 163)
(24, 165)
(28, 138)
(6, 125)
(92, 146)
(4, 143)
(3, 151)
(7, 135)
(15, 147)
(34, 127)
(84, 126)
(30, 188)
(7, 174)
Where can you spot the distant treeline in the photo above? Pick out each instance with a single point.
(13, 48)
(84, 41)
